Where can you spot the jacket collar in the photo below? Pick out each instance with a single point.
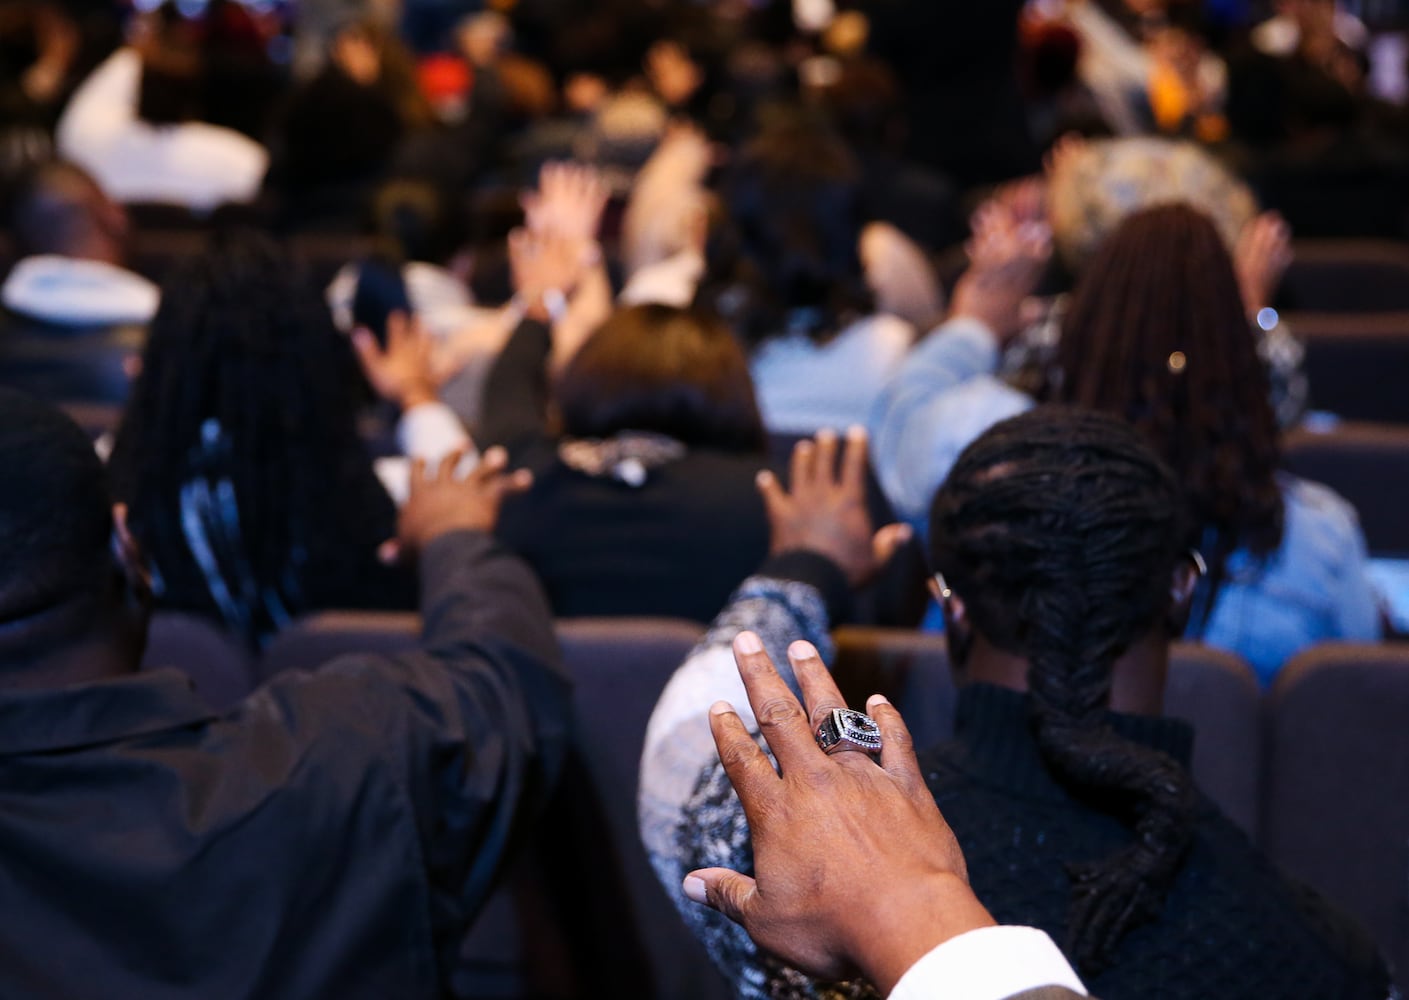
(85, 715)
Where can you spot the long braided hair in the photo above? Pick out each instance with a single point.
(1061, 531)
(240, 437)
(1156, 333)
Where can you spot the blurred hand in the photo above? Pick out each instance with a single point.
(825, 512)
(568, 203)
(854, 867)
(1007, 259)
(1261, 258)
(439, 503)
(402, 373)
(1063, 154)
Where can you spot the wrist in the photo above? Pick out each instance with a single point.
(901, 930)
(417, 392)
(546, 306)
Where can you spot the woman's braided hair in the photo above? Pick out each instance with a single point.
(1156, 333)
(243, 343)
(1061, 531)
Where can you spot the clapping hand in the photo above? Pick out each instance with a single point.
(825, 512)
(854, 867)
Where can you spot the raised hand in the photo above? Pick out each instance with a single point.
(825, 509)
(439, 503)
(403, 372)
(1262, 256)
(568, 203)
(1007, 258)
(854, 867)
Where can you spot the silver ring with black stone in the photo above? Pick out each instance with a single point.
(846, 729)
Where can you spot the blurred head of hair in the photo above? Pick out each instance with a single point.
(658, 369)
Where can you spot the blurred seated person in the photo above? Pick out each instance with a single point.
(75, 318)
(40, 47)
(784, 271)
(1061, 545)
(1090, 187)
(135, 124)
(645, 447)
(332, 835)
(421, 232)
(644, 502)
(340, 132)
(239, 456)
(1282, 34)
(1156, 333)
(1302, 89)
(665, 236)
(861, 97)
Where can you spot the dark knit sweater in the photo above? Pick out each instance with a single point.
(1232, 926)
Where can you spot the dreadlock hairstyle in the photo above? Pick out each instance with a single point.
(240, 440)
(1156, 333)
(1061, 530)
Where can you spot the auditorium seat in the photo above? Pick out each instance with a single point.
(1349, 361)
(1212, 690)
(315, 639)
(1336, 796)
(218, 664)
(1347, 275)
(1368, 464)
(1217, 693)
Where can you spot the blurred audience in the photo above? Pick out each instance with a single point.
(641, 249)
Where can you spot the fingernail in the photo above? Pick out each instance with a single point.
(496, 455)
(695, 890)
(876, 700)
(748, 642)
(826, 435)
(764, 478)
(802, 650)
(856, 432)
(721, 708)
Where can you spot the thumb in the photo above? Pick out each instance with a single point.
(727, 891)
(366, 347)
(888, 540)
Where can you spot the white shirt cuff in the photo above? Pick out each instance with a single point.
(431, 430)
(991, 963)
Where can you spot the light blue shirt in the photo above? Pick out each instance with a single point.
(1314, 587)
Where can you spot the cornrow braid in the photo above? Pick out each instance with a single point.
(1156, 333)
(1061, 530)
